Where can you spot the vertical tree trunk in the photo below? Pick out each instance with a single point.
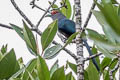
(79, 43)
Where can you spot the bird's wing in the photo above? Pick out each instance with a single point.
(68, 26)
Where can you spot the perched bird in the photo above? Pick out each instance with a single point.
(67, 28)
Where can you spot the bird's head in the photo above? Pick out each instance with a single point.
(56, 15)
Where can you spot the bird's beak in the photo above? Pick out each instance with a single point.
(48, 15)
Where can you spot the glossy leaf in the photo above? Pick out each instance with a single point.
(106, 27)
(94, 51)
(30, 75)
(73, 16)
(86, 75)
(15, 79)
(73, 67)
(111, 66)
(8, 65)
(102, 44)
(18, 30)
(70, 39)
(69, 76)
(29, 38)
(51, 52)
(42, 68)
(92, 72)
(4, 49)
(66, 11)
(49, 34)
(59, 74)
(105, 62)
(114, 2)
(109, 12)
(30, 67)
(54, 67)
(18, 73)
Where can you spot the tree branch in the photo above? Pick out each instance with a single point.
(34, 29)
(35, 5)
(89, 16)
(21, 13)
(45, 14)
(40, 33)
(92, 56)
(79, 42)
(113, 70)
(5, 26)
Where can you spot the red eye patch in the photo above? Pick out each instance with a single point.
(54, 12)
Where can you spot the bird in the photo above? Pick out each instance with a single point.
(67, 28)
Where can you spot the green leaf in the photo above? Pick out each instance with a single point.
(8, 65)
(111, 66)
(30, 67)
(54, 67)
(49, 34)
(73, 16)
(70, 39)
(109, 12)
(42, 68)
(69, 76)
(105, 62)
(30, 75)
(20, 71)
(86, 75)
(1, 55)
(20, 33)
(29, 38)
(102, 44)
(15, 79)
(73, 67)
(114, 2)
(59, 74)
(113, 63)
(51, 52)
(106, 27)
(94, 51)
(92, 72)
(18, 30)
(66, 11)
(4, 49)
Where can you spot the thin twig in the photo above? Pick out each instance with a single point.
(92, 56)
(36, 29)
(54, 42)
(88, 18)
(115, 68)
(111, 75)
(45, 14)
(112, 71)
(40, 33)
(5, 26)
(21, 13)
(35, 5)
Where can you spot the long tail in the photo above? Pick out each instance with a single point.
(90, 53)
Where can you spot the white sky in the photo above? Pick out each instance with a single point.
(9, 15)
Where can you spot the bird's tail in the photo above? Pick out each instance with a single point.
(90, 53)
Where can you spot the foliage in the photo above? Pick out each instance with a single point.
(108, 43)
